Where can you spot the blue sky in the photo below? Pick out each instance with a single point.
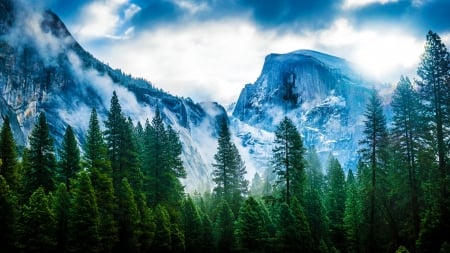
(210, 49)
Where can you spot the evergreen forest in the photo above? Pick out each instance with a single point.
(121, 190)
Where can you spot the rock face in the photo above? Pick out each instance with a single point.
(43, 69)
(322, 95)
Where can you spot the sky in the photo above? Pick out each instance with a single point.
(209, 49)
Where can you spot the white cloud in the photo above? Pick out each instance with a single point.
(105, 19)
(205, 61)
(354, 4)
(214, 60)
(380, 53)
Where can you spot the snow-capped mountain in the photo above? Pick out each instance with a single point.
(42, 68)
(321, 93)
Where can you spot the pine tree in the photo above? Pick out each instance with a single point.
(115, 127)
(177, 236)
(69, 157)
(162, 164)
(8, 155)
(374, 154)
(207, 234)
(84, 217)
(163, 239)
(336, 202)
(37, 226)
(251, 230)
(41, 162)
(434, 92)
(95, 154)
(287, 236)
(229, 170)
(128, 219)
(257, 186)
(8, 216)
(192, 226)
(62, 207)
(314, 199)
(224, 228)
(107, 208)
(303, 231)
(288, 159)
(352, 214)
(147, 225)
(405, 138)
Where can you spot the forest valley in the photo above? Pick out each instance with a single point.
(123, 192)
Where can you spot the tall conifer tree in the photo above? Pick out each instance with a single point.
(8, 155)
(84, 217)
(374, 154)
(40, 169)
(229, 170)
(37, 226)
(69, 163)
(288, 159)
(434, 92)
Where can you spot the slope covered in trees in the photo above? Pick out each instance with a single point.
(123, 193)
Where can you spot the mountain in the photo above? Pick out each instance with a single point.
(321, 93)
(43, 69)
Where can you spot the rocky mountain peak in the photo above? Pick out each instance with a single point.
(321, 93)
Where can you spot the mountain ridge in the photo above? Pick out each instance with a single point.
(44, 69)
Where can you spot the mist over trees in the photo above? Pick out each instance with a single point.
(121, 191)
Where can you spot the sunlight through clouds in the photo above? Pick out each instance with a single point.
(105, 19)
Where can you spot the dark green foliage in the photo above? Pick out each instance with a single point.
(37, 227)
(352, 214)
(122, 147)
(128, 219)
(84, 217)
(177, 237)
(434, 92)
(95, 150)
(207, 234)
(402, 249)
(303, 231)
(252, 233)
(313, 200)
(163, 239)
(113, 134)
(229, 170)
(288, 159)
(192, 226)
(69, 163)
(147, 225)
(406, 142)
(8, 155)
(374, 153)
(62, 207)
(316, 214)
(107, 207)
(8, 217)
(224, 228)
(162, 166)
(335, 202)
(40, 168)
(287, 238)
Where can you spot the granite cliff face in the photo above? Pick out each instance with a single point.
(43, 69)
(322, 95)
